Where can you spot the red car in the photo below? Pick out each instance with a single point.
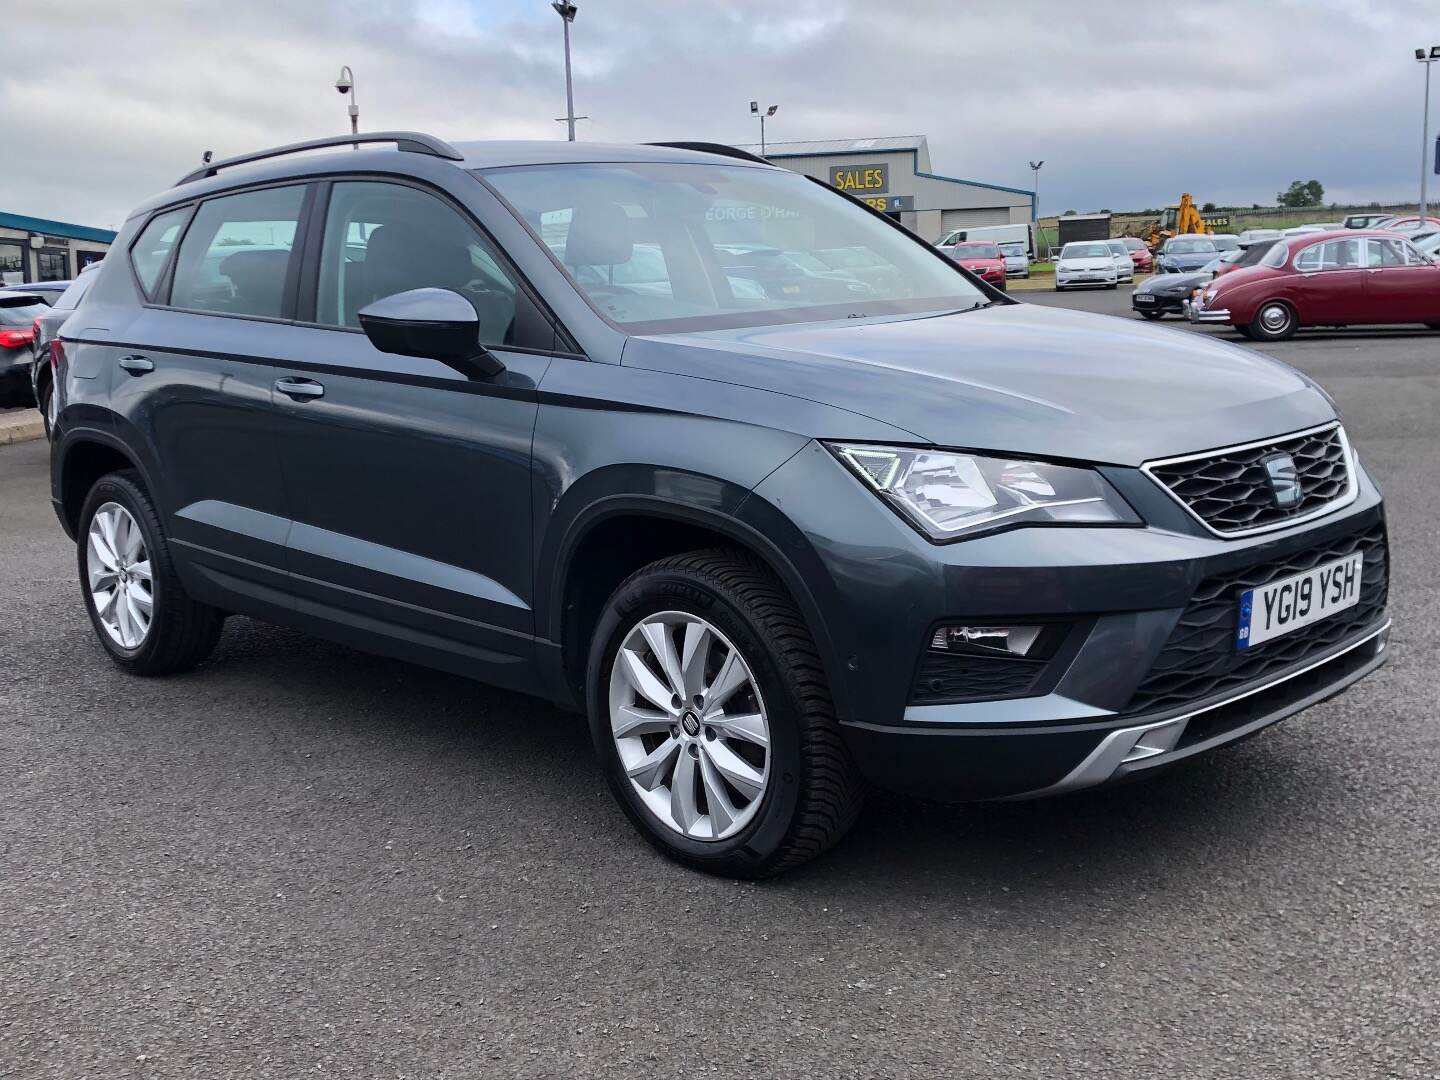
(983, 258)
(1139, 254)
(1338, 278)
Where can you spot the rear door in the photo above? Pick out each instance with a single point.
(1330, 288)
(409, 483)
(193, 378)
(1401, 285)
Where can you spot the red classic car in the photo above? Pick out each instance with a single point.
(1338, 278)
(982, 258)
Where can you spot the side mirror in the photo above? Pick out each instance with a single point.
(438, 324)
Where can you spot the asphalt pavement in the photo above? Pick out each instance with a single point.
(303, 861)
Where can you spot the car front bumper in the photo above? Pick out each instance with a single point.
(1197, 314)
(1127, 597)
(1167, 304)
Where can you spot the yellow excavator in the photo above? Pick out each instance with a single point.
(1183, 217)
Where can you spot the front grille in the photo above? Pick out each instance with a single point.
(1200, 658)
(943, 678)
(1231, 491)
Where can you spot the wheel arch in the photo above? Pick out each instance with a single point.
(82, 458)
(618, 535)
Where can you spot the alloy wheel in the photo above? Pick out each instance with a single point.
(117, 567)
(689, 725)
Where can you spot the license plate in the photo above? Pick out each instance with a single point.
(1298, 601)
(1143, 298)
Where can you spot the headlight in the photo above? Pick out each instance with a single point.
(948, 495)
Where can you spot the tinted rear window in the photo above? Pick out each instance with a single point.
(20, 314)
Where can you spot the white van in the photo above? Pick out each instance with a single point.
(1000, 234)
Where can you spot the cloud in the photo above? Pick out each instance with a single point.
(1128, 103)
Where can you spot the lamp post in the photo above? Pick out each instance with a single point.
(566, 11)
(755, 111)
(1035, 204)
(345, 84)
(1426, 57)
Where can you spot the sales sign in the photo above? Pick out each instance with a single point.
(861, 179)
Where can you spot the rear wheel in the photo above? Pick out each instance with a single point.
(1274, 321)
(713, 721)
(47, 405)
(141, 614)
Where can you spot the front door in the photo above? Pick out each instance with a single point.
(408, 483)
(1401, 285)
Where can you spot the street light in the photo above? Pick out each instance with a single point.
(755, 111)
(567, 11)
(1427, 59)
(1035, 200)
(345, 84)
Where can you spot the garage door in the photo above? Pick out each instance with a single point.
(960, 219)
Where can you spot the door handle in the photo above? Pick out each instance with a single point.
(137, 364)
(299, 389)
(1373, 269)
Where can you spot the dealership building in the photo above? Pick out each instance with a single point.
(894, 175)
(37, 249)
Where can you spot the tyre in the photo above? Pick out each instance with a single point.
(1153, 315)
(1244, 331)
(712, 719)
(140, 611)
(47, 405)
(1274, 321)
(1004, 286)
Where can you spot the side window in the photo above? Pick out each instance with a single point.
(1339, 254)
(236, 253)
(1308, 261)
(381, 239)
(152, 248)
(1381, 251)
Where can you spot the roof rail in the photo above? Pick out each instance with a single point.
(414, 142)
(715, 148)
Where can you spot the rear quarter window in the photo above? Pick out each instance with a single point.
(152, 248)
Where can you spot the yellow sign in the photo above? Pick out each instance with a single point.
(870, 179)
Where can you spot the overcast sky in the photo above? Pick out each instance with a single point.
(1129, 104)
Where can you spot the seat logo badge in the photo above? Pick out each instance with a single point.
(690, 722)
(1284, 480)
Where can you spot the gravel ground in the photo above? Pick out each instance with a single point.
(301, 860)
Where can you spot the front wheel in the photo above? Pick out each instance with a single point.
(1274, 321)
(47, 405)
(712, 719)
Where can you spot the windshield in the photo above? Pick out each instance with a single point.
(1086, 251)
(977, 251)
(1133, 243)
(723, 246)
(1189, 247)
(1226, 243)
(1013, 249)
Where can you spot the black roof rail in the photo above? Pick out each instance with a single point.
(715, 148)
(414, 142)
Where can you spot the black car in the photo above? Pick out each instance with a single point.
(18, 311)
(1163, 294)
(1185, 254)
(777, 547)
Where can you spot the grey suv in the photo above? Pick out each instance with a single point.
(777, 544)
